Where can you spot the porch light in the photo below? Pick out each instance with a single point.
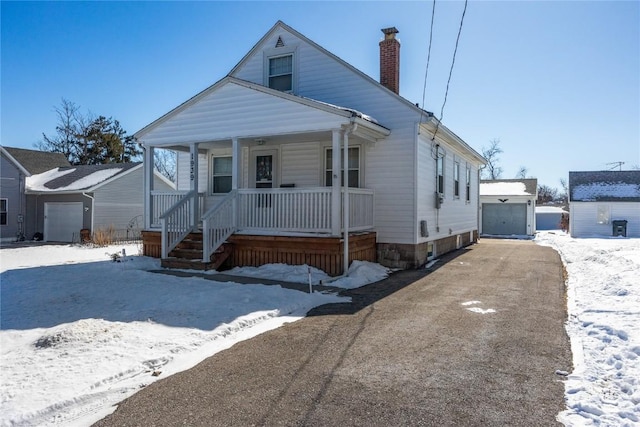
(260, 141)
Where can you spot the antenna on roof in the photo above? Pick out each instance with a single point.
(615, 165)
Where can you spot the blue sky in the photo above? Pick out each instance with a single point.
(558, 83)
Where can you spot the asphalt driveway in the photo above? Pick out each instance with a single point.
(476, 341)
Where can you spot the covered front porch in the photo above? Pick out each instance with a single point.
(256, 161)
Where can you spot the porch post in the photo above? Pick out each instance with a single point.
(335, 182)
(235, 163)
(193, 184)
(148, 186)
(345, 204)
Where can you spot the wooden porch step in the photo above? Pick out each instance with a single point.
(194, 259)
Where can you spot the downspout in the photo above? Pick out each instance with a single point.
(345, 204)
(92, 210)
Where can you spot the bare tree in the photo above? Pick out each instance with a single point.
(546, 194)
(522, 172)
(86, 140)
(165, 162)
(565, 190)
(492, 170)
(71, 126)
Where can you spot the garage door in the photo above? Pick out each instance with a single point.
(62, 221)
(504, 219)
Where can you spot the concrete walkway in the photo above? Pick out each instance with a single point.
(476, 342)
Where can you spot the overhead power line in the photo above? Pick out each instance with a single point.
(453, 61)
(426, 71)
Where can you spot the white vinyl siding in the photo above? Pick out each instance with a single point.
(215, 116)
(585, 219)
(119, 203)
(301, 164)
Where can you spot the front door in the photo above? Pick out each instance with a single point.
(264, 169)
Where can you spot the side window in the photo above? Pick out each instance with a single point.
(456, 180)
(281, 73)
(353, 171)
(468, 184)
(221, 174)
(3, 211)
(603, 214)
(440, 175)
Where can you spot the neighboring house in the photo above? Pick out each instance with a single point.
(16, 165)
(604, 203)
(508, 207)
(63, 201)
(549, 217)
(261, 153)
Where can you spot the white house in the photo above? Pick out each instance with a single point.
(261, 154)
(507, 207)
(604, 203)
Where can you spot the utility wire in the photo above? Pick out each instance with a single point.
(446, 93)
(426, 72)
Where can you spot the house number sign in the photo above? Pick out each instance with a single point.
(192, 166)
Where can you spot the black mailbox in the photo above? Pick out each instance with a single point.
(619, 227)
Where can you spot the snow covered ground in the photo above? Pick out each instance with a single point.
(604, 327)
(79, 333)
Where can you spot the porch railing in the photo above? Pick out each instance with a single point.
(360, 209)
(162, 201)
(218, 223)
(292, 210)
(177, 222)
(285, 209)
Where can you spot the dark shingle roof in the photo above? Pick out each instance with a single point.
(605, 186)
(36, 162)
(83, 171)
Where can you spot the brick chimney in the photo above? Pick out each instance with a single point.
(390, 60)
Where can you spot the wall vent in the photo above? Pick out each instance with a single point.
(279, 43)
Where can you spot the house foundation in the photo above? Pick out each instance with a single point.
(404, 256)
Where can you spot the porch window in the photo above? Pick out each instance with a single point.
(221, 174)
(456, 180)
(3, 211)
(353, 171)
(281, 73)
(440, 175)
(468, 184)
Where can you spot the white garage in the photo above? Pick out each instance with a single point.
(62, 220)
(507, 207)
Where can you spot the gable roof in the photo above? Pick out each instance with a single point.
(509, 187)
(33, 162)
(75, 179)
(345, 113)
(604, 186)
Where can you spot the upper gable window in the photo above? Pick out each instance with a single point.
(281, 73)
